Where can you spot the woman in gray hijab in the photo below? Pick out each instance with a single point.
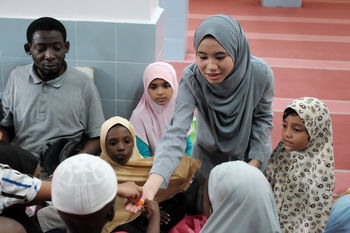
(243, 204)
(232, 92)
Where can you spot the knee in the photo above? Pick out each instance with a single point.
(9, 225)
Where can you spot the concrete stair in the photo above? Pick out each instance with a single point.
(308, 49)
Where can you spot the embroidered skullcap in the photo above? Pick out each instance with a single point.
(83, 184)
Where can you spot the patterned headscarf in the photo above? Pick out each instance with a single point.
(303, 181)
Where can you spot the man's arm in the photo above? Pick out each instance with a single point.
(92, 146)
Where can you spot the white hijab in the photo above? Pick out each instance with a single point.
(242, 200)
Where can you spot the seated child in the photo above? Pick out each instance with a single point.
(118, 147)
(156, 107)
(241, 200)
(84, 188)
(301, 168)
(339, 220)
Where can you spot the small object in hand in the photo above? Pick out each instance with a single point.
(139, 203)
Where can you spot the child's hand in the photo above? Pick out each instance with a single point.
(151, 209)
(164, 218)
(130, 191)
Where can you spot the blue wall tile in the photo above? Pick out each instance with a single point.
(135, 42)
(175, 27)
(108, 108)
(104, 77)
(1, 80)
(71, 37)
(9, 63)
(125, 108)
(160, 39)
(95, 41)
(13, 36)
(174, 49)
(129, 81)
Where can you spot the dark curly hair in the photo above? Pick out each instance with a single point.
(45, 24)
(289, 112)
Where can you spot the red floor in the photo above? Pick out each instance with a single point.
(308, 49)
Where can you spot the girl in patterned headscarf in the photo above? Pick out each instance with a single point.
(301, 168)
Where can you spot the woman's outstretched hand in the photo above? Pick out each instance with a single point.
(150, 189)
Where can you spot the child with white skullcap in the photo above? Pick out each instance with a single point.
(83, 191)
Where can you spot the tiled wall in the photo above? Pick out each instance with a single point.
(175, 30)
(118, 52)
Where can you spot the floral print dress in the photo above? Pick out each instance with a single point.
(303, 181)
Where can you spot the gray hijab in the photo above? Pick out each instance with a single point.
(241, 199)
(227, 107)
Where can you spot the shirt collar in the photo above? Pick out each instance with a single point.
(57, 82)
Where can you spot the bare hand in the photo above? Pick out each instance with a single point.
(255, 163)
(151, 209)
(129, 190)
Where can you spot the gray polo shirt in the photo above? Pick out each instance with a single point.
(43, 112)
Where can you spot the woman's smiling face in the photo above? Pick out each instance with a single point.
(213, 61)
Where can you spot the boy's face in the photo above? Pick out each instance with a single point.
(119, 144)
(48, 51)
(294, 134)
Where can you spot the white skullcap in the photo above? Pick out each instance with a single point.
(83, 184)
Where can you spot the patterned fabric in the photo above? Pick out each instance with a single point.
(16, 188)
(303, 181)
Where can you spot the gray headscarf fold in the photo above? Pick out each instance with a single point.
(242, 200)
(227, 106)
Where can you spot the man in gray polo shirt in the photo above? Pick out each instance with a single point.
(50, 100)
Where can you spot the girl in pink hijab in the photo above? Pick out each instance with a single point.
(156, 107)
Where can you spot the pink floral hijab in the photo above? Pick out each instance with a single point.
(149, 118)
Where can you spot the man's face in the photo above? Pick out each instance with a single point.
(48, 50)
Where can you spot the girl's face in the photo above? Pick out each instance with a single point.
(160, 91)
(294, 134)
(119, 144)
(213, 61)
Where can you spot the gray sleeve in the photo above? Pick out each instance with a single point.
(93, 111)
(7, 102)
(172, 144)
(260, 143)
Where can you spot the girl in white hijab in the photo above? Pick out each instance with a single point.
(232, 92)
(301, 168)
(241, 199)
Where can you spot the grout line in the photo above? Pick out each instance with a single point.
(345, 171)
(280, 19)
(290, 37)
(334, 101)
(292, 63)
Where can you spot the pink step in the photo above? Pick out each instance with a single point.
(284, 25)
(310, 9)
(319, 48)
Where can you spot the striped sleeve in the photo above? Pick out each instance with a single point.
(16, 188)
